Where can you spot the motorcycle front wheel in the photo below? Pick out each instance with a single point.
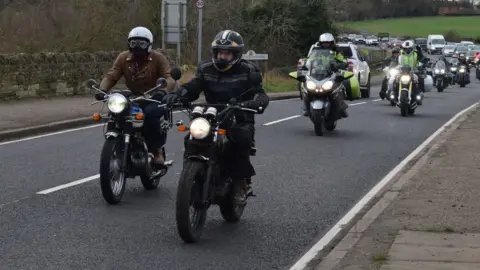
(318, 119)
(112, 178)
(189, 194)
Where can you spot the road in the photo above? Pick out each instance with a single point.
(304, 185)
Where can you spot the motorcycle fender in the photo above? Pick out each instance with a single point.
(319, 104)
(404, 90)
(111, 134)
(199, 158)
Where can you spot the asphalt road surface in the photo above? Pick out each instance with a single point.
(304, 185)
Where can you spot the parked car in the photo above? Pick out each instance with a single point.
(358, 65)
(460, 50)
(372, 41)
(359, 39)
(448, 50)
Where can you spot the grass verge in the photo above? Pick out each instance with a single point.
(464, 26)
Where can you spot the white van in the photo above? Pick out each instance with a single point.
(435, 43)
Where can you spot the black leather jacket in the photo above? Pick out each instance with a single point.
(219, 87)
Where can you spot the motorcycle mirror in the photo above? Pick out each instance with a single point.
(232, 101)
(176, 73)
(90, 83)
(301, 78)
(179, 123)
(339, 79)
(256, 78)
(304, 68)
(162, 82)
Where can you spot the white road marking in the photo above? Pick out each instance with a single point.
(375, 100)
(281, 120)
(354, 104)
(296, 116)
(57, 133)
(71, 184)
(86, 127)
(337, 228)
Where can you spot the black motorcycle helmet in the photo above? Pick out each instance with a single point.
(227, 40)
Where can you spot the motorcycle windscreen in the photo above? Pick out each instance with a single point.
(320, 64)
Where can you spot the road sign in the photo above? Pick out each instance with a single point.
(200, 4)
(383, 46)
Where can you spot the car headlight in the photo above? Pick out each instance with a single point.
(437, 70)
(116, 103)
(311, 85)
(327, 85)
(442, 71)
(462, 70)
(200, 128)
(405, 79)
(393, 72)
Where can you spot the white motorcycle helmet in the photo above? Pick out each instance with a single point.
(142, 33)
(328, 39)
(408, 46)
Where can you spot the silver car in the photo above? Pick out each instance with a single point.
(448, 50)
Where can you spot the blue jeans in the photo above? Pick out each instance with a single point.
(154, 136)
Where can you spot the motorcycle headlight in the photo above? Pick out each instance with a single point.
(116, 103)
(200, 128)
(442, 71)
(311, 85)
(462, 70)
(453, 68)
(405, 79)
(437, 70)
(327, 85)
(393, 72)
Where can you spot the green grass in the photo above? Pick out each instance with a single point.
(277, 84)
(465, 26)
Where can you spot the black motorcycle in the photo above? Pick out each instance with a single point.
(204, 180)
(462, 75)
(440, 79)
(477, 70)
(124, 154)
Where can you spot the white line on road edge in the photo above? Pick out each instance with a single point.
(71, 184)
(296, 116)
(337, 228)
(376, 100)
(281, 120)
(86, 127)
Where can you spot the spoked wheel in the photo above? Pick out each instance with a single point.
(231, 211)
(112, 178)
(190, 214)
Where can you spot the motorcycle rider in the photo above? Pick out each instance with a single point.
(408, 57)
(141, 68)
(386, 63)
(462, 61)
(393, 58)
(326, 41)
(222, 78)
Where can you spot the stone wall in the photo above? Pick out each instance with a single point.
(54, 74)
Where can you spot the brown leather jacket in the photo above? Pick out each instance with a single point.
(138, 80)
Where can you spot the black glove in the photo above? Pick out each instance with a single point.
(99, 96)
(159, 95)
(171, 98)
(251, 104)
